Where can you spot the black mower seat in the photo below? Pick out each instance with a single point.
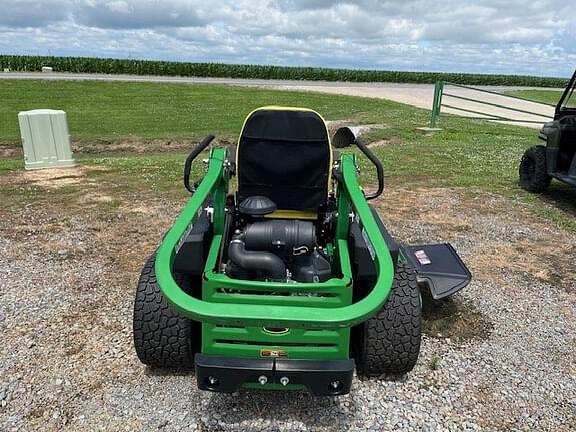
(285, 155)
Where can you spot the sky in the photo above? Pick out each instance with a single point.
(532, 37)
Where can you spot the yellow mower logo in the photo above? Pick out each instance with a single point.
(272, 353)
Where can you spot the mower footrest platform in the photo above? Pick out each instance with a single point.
(440, 267)
(320, 377)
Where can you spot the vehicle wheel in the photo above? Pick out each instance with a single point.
(389, 342)
(162, 337)
(533, 175)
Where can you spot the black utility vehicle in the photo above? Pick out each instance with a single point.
(556, 159)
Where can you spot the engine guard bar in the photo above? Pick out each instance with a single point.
(280, 316)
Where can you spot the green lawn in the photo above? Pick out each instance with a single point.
(545, 96)
(465, 153)
(105, 110)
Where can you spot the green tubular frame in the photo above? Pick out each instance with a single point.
(328, 305)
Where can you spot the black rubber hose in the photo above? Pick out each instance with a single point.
(379, 169)
(268, 263)
(193, 154)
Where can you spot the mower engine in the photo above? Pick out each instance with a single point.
(275, 249)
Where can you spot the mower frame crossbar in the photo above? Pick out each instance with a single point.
(331, 311)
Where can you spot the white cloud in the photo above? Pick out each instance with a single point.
(536, 37)
(121, 7)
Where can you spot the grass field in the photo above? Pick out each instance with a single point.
(545, 96)
(466, 153)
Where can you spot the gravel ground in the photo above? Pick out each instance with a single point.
(500, 355)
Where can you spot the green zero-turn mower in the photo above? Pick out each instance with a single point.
(292, 280)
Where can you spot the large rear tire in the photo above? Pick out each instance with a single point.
(532, 171)
(389, 342)
(162, 337)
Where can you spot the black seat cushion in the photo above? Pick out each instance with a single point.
(285, 155)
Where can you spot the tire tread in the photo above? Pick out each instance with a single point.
(540, 180)
(162, 337)
(391, 338)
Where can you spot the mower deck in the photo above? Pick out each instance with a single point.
(439, 267)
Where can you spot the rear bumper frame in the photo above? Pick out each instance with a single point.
(319, 377)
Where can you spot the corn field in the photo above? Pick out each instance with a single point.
(219, 70)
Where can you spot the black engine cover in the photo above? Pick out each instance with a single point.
(312, 268)
(283, 237)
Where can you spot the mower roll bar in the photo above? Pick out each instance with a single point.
(193, 155)
(379, 169)
(247, 314)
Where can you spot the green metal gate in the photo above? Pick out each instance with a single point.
(440, 92)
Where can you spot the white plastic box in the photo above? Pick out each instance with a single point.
(45, 139)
